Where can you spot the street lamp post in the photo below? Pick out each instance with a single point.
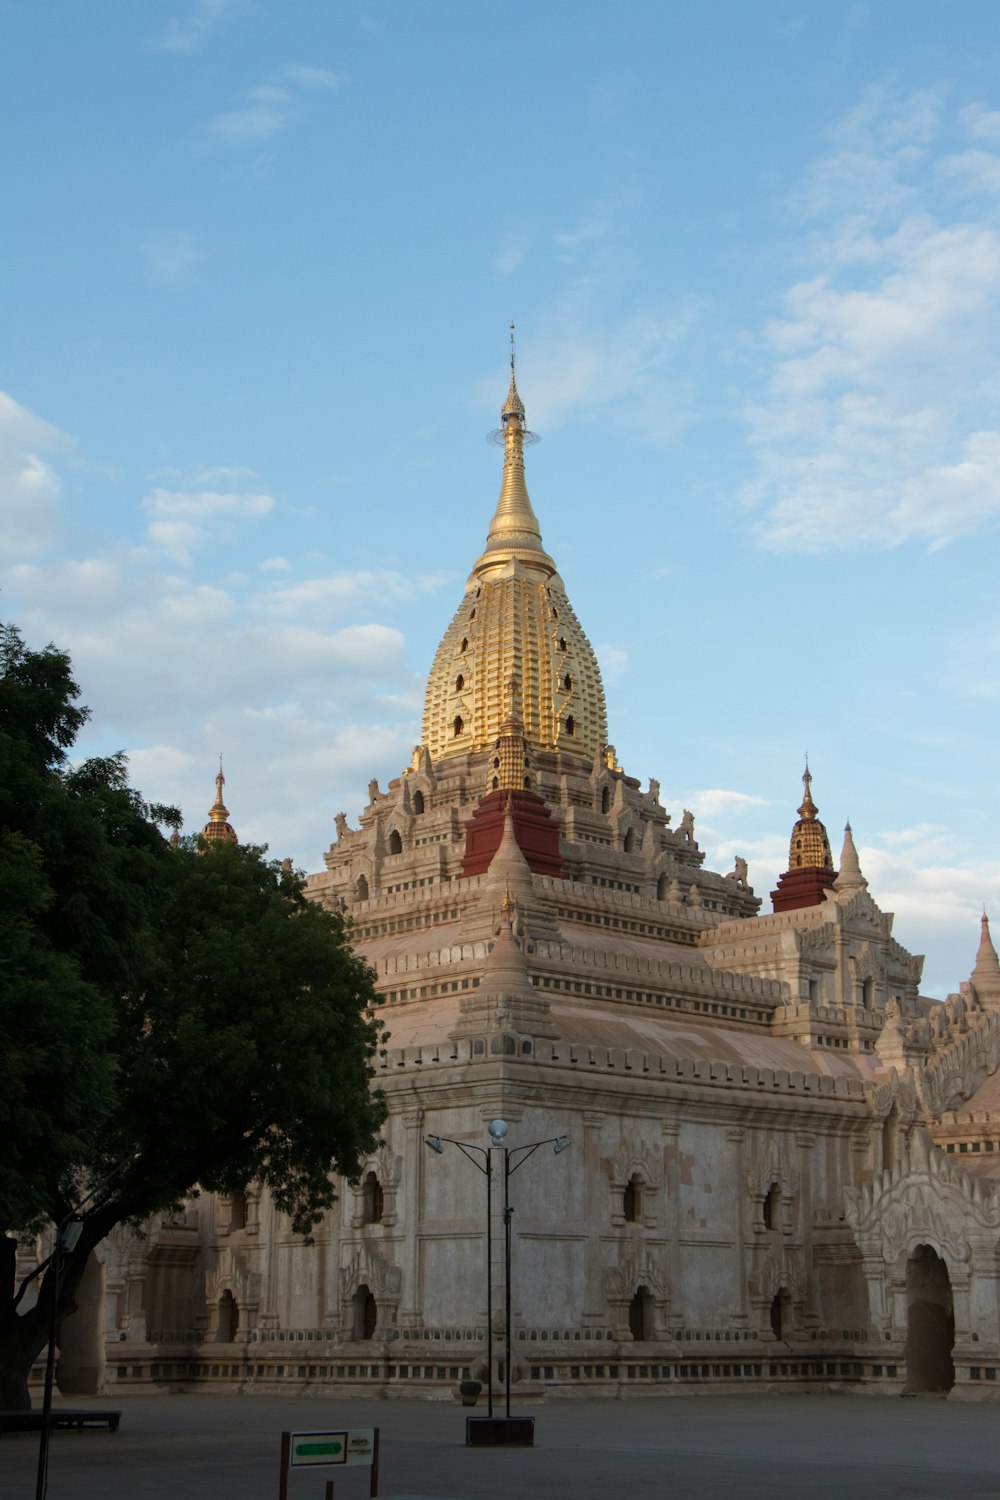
(513, 1157)
(437, 1143)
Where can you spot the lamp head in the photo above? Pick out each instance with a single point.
(498, 1131)
(69, 1238)
(560, 1143)
(435, 1143)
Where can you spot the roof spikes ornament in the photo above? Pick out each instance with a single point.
(850, 877)
(985, 977)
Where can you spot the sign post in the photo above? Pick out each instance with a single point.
(352, 1447)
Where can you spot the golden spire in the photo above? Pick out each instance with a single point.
(809, 848)
(514, 621)
(514, 530)
(219, 812)
(218, 829)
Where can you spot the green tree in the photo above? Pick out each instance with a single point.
(171, 1017)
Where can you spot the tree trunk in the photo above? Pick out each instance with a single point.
(22, 1339)
(24, 1335)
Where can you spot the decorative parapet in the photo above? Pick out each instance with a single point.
(584, 1057)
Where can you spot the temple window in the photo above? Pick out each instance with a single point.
(771, 1206)
(473, 615)
(640, 1315)
(605, 799)
(632, 1200)
(459, 683)
(374, 1201)
(418, 802)
(629, 842)
(571, 725)
(229, 1318)
(868, 993)
(459, 725)
(365, 1314)
(496, 782)
(238, 1210)
(890, 1135)
(361, 889)
(465, 644)
(395, 842)
(567, 682)
(562, 643)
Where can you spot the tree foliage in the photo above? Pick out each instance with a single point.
(171, 1016)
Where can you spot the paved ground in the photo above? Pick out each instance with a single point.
(809, 1446)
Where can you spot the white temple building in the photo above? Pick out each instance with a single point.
(782, 1159)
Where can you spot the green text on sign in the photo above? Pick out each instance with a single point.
(318, 1448)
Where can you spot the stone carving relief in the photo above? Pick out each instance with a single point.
(962, 1059)
(778, 1270)
(635, 1269)
(769, 1166)
(924, 1199)
(367, 1268)
(633, 1160)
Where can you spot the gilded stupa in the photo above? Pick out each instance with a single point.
(218, 829)
(810, 864)
(515, 621)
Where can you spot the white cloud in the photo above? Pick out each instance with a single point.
(341, 590)
(30, 485)
(310, 78)
(270, 108)
(982, 123)
(172, 257)
(183, 519)
(275, 565)
(511, 254)
(267, 111)
(715, 800)
(875, 418)
(186, 34)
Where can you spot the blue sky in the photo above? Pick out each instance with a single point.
(258, 266)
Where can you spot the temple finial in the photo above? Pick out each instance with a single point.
(218, 829)
(808, 808)
(513, 406)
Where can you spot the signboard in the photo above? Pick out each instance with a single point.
(356, 1446)
(350, 1446)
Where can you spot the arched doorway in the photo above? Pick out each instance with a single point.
(930, 1323)
(779, 1311)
